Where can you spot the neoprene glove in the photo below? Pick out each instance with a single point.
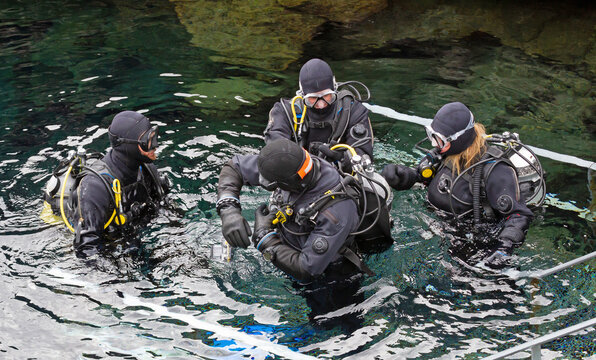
(335, 155)
(399, 177)
(342, 156)
(263, 225)
(234, 227)
(509, 238)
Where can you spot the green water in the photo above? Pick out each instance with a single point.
(68, 67)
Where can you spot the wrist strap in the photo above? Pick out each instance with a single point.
(227, 201)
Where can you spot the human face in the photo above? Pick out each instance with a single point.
(320, 99)
(150, 154)
(148, 139)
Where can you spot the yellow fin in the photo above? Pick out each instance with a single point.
(48, 216)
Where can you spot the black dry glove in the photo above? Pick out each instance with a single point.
(263, 226)
(335, 155)
(399, 177)
(510, 238)
(342, 156)
(234, 227)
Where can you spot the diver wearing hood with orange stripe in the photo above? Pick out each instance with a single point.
(310, 226)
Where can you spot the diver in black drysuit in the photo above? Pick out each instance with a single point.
(325, 112)
(503, 201)
(304, 256)
(318, 249)
(93, 203)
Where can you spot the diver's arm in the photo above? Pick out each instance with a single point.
(400, 177)
(279, 126)
(91, 215)
(240, 170)
(230, 181)
(503, 193)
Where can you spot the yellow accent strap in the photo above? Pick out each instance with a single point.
(120, 218)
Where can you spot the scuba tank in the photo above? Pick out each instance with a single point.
(530, 174)
(56, 182)
(61, 190)
(373, 197)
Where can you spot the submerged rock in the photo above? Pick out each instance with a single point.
(267, 34)
(556, 30)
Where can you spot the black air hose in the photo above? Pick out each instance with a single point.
(477, 179)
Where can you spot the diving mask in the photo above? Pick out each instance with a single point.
(147, 140)
(311, 99)
(440, 141)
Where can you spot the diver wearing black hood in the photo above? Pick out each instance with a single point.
(460, 146)
(321, 116)
(118, 188)
(302, 246)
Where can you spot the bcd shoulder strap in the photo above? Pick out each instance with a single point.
(341, 119)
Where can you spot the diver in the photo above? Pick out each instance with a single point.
(100, 196)
(471, 174)
(315, 220)
(316, 226)
(323, 113)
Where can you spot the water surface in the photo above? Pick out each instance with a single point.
(68, 67)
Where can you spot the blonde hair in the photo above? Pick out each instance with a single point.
(471, 155)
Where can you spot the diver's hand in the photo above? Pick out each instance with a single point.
(399, 177)
(234, 227)
(499, 259)
(263, 223)
(335, 155)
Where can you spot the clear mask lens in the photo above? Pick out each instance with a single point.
(148, 139)
(329, 97)
(436, 139)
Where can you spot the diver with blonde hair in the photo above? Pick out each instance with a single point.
(467, 176)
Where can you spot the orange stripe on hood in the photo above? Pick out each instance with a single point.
(306, 166)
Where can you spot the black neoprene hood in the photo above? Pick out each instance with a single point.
(129, 125)
(316, 75)
(450, 119)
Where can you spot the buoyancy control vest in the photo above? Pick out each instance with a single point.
(502, 148)
(62, 191)
(372, 195)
